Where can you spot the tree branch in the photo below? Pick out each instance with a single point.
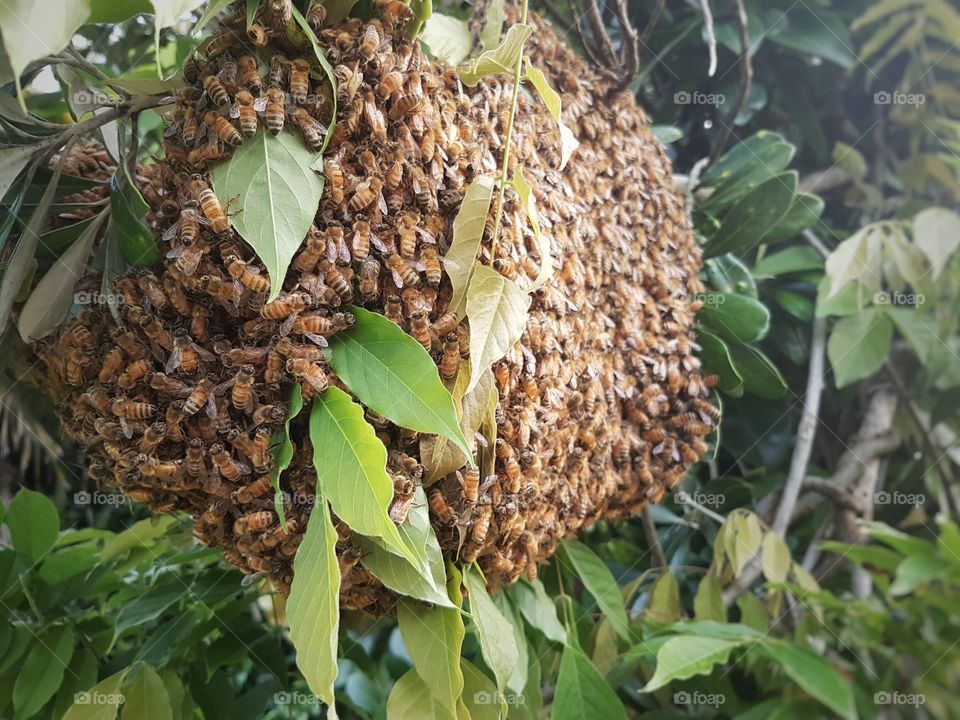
(746, 80)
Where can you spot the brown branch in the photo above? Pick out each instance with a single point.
(746, 80)
(653, 541)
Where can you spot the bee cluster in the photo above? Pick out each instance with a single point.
(602, 404)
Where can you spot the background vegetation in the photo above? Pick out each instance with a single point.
(810, 566)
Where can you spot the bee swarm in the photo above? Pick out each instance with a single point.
(602, 404)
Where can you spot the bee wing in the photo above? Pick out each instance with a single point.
(170, 232)
(211, 406)
(318, 339)
(242, 467)
(260, 104)
(125, 427)
(287, 325)
(382, 204)
(204, 354)
(178, 251)
(249, 580)
(173, 362)
(344, 254)
(397, 280)
(251, 402)
(234, 111)
(378, 243)
(225, 385)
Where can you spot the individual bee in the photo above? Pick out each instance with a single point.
(319, 327)
(223, 128)
(226, 291)
(370, 42)
(155, 433)
(450, 361)
(215, 90)
(506, 267)
(370, 279)
(248, 74)
(335, 278)
(445, 324)
(242, 395)
(271, 414)
(150, 466)
(187, 256)
(440, 508)
(186, 354)
(420, 329)
(311, 372)
(155, 297)
(128, 409)
(258, 488)
(366, 194)
(208, 153)
(201, 395)
(166, 385)
(277, 71)
(407, 232)
(299, 80)
(245, 109)
(312, 130)
(349, 80)
(404, 273)
(316, 245)
(275, 109)
(218, 44)
(316, 15)
(376, 120)
(288, 307)
(190, 125)
(393, 310)
(194, 462)
(389, 84)
(430, 258)
(362, 236)
(111, 367)
(255, 521)
(247, 275)
(209, 203)
(334, 175)
(191, 70)
(229, 468)
(134, 372)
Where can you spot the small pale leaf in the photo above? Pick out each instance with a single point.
(502, 59)
(551, 98)
(448, 38)
(467, 233)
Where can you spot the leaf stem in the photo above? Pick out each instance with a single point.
(505, 162)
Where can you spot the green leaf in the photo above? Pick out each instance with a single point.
(736, 317)
(32, 29)
(468, 228)
(146, 697)
(747, 538)
(755, 216)
(717, 359)
(666, 134)
(857, 259)
(798, 258)
(936, 231)
(493, 25)
(497, 310)
(520, 676)
(448, 38)
(479, 693)
(684, 656)
(728, 274)
(551, 99)
(321, 56)
(600, 583)
(278, 197)
(106, 691)
(283, 449)
(859, 345)
(495, 630)
(396, 573)
(209, 13)
(411, 699)
(538, 609)
(392, 374)
(821, 34)
(52, 298)
(916, 571)
(752, 612)
(813, 674)
(313, 608)
(664, 604)
(745, 167)
(167, 12)
(775, 558)
(127, 209)
(13, 159)
(760, 376)
(804, 212)
(433, 637)
(502, 59)
(116, 11)
(42, 671)
(33, 523)
(582, 692)
(708, 602)
(527, 199)
(351, 464)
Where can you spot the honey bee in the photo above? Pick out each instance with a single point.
(215, 90)
(287, 307)
(226, 291)
(335, 278)
(271, 414)
(190, 125)
(247, 275)
(132, 409)
(223, 129)
(246, 109)
(155, 433)
(186, 354)
(150, 466)
(201, 395)
(445, 324)
(133, 373)
(316, 15)
(376, 121)
(187, 257)
(299, 80)
(395, 12)
(311, 372)
(111, 367)
(430, 258)
(361, 239)
(320, 327)
(393, 309)
(370, 42)
(259, 520)
(334, 175)
(349, 80)
(209, 203)
(471, 485)
(275, 109)
(226, 464)
(312, 130)
(370, 279)
(389, 84)
(366, 194)
(258, 488)
(218, 44)
(420, 329)
(277, 71)
(404, 273)
(450, 362)
(248, 75)
(242, 395)
(191, 70)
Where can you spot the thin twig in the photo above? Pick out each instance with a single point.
(816, 242)
(746, 80)
(128, 107)
(603, 45)
(652, 22)
(711, 36)
(629, 48)
(653, 540)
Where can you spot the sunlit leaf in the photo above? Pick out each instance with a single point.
(582, 692)
(321, 56)
(166, 14)
(497, 310)
(538, 609)
(468, 229)
(755, 216)
(684, 656)
(433, 637)
(83, 709)
(936, 231)
(146, 697)
(495, 630)
(448, 38)
(313, 608)
(493, 24)
(600, 583)
(209, 13)
(283, 449)
(411, 699)
(502, 59)
(708, 602)
(744, 167)
(551, 99)
(277, 197)
(859, 345)
(13, 159)
(813, 674)
(527, 199)
(775, 558)
(33, 523)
